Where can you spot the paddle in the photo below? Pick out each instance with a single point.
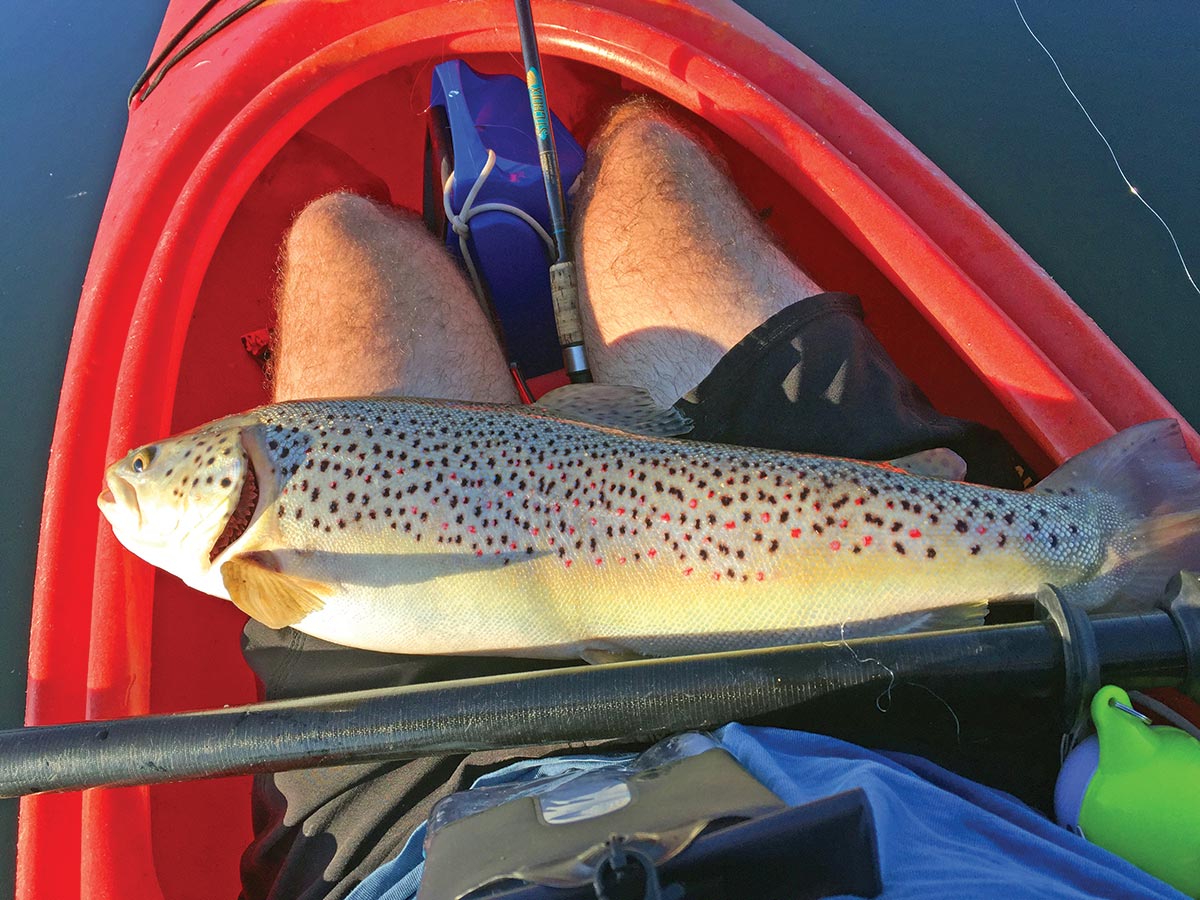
(1065, 656)
(564, 290)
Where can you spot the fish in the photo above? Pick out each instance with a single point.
(440, 527)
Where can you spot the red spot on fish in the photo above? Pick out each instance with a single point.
(414, 510)
(687, 571)
(570, 529)
(858, 501)
(534, 531)
(599, 560)
(604, 467)
(787, 496)
(512, 546)
(915, 533)
(867, 540)
(817, 505)
(666, 517)
(1029, 537)
(592, 520)
(567, 563)
(982, 529)
(332, 485)
(454, 477)
(623, 560)
(508, 493)
(471, 529)
(479, 553)
(731, 525)
(766, 517)
(759, 576)
(692, 503)
(558, 507)
(445, 526)
(687, 537)
(620, 510)
(488, 505)
(835, 545)
(549, 465)
(795, 532)
(575, 502)
(550, 541)
(652, 552)
(593, 485)
(716, 576)
(711, 494)
(843, 523)
(891, 505)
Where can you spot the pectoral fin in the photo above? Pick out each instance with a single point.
(272, 597)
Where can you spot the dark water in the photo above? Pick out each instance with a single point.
(964, 81)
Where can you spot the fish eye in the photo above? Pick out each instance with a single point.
(142, 459)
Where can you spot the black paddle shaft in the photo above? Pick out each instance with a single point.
(1046, 662)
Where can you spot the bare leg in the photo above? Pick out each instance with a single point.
(675, 268)
(369, 303)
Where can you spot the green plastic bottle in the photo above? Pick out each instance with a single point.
(1143, 800)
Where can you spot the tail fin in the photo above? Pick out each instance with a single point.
(1154, 485)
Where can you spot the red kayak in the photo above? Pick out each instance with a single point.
(295, 99)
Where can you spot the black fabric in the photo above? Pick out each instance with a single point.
(812, 378)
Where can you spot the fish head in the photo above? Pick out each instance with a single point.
(180, 502)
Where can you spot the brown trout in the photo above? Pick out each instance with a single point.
(422, 526)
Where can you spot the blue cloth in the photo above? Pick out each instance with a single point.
(939, 835)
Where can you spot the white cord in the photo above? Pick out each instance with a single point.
(458, 222)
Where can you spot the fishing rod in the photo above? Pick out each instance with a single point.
(564, 285)
(1064, 658)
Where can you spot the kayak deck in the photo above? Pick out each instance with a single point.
(221, 157)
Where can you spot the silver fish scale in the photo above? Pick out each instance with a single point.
(499, 484)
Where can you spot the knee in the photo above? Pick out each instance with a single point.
(642, 128)
(333, 217)
(348, 223)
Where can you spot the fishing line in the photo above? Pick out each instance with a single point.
(887, 692)
(1133, 190)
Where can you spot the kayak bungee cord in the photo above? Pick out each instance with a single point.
(164, 67)
(564, 287)
(166, 50)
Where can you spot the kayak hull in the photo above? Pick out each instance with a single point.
(285, 106)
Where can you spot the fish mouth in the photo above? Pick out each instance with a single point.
(118, 494)
(243, 513)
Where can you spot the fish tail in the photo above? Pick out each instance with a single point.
(1153, 486)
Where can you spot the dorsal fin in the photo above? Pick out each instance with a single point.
(940, 462)
(618, 406)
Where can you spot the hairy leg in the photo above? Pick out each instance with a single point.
(675, 268)
(369, 303)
